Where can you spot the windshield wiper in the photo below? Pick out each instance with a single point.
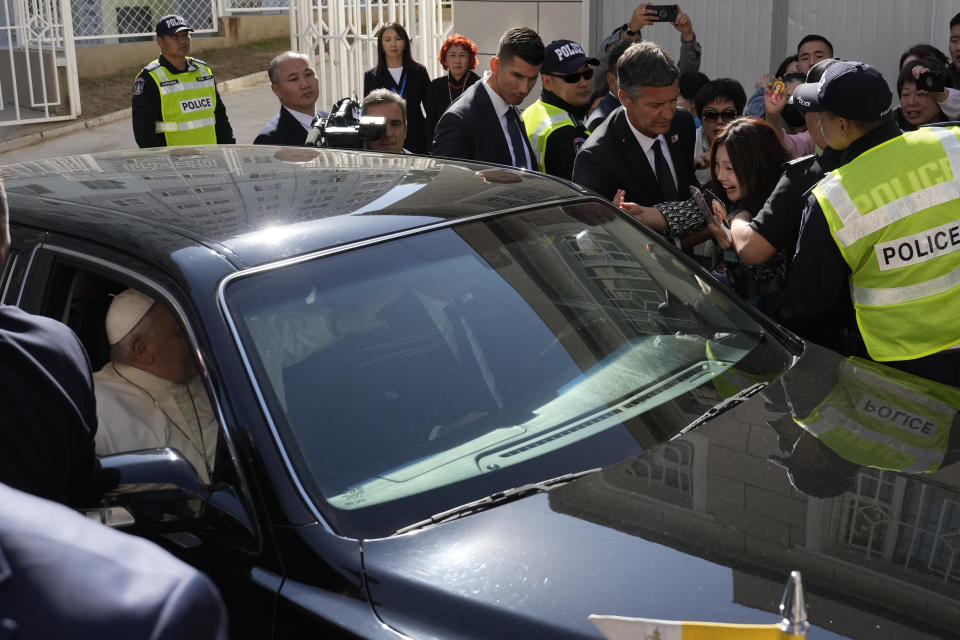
(495, 499)
(725, 405)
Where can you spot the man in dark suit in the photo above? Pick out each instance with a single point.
(483, 123)
(64, 576)
(295, 83)
(49, 410)
(642, 154)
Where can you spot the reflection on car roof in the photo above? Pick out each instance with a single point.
(241, 196)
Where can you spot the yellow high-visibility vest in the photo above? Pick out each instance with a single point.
(187, 103)
(540, 120)
(894, 212)
(884, 418)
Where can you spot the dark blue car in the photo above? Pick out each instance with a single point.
(462, 401)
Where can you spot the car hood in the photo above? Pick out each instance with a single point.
(705, 527)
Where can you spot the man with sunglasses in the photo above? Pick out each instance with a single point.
(554, 123)
(717, 103)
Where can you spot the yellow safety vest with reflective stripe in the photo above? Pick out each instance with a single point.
(886, 419)
(894, 212)
(187, 103)
(540, 120)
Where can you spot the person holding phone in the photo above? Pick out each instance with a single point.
(947, 97)
(919, 106)
(745, 164)
(644, 15)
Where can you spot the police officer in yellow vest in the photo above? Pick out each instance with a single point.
(879, 249)
(175, 98)
(554, 123)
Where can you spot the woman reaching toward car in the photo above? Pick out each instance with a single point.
(745, 166)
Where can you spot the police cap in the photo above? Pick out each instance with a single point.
(852, 90)
(171, 24)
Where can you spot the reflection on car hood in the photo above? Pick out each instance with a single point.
(710, 525)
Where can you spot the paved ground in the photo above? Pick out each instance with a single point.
(249, 101)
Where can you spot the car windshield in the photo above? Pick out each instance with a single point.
(413, 375)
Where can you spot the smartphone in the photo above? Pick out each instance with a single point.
(930, 81)
(717, 209)
(665, 12)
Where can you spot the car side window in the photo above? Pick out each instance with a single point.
(150, 393)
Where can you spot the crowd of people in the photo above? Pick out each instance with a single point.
(655, 136)
(813, 199)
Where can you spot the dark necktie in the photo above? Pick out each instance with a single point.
(668, 189)
(517, 139)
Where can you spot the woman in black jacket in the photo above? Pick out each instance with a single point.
(458, 56)
(397, 71)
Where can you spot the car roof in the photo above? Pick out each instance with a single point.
(259, 204)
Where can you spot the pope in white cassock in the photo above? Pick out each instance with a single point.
(150, 393)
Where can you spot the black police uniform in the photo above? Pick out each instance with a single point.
(815, 299)
(779, 219)
(147, 110)
(563, 143)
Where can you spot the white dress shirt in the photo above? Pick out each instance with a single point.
(501, 106)
(646, 143)
(304, 118)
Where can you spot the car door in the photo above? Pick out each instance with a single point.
(73, 281)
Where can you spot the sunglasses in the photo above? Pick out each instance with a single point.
(573, 78)
(709, 115)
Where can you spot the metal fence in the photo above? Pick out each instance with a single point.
(98, 21)
(340, 35)
(36, 46)
(239, 7)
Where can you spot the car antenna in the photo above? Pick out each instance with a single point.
(793, 608)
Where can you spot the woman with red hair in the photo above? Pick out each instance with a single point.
(458, 56)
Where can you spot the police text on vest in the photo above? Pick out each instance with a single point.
(913, 423)
(196, 104)
(919, 247)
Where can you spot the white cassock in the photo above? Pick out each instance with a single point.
(138, 410)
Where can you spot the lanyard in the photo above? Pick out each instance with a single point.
(403, 82)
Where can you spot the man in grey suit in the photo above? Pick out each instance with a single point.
(64, 576)
(483, 123)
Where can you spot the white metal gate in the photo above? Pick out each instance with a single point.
(340, 37)
(38, 64)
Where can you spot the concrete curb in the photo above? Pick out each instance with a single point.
(234, 84)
